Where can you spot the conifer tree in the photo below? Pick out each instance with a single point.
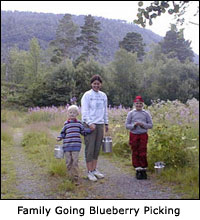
(89, 39)
(133, 42)
(174, 45)
(65, 42)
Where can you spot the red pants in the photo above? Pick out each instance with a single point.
(138, 144)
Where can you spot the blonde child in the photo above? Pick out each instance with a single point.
(70, 134)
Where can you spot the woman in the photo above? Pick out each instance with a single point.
(95, 116)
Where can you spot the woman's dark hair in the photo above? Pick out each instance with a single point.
(96, 77)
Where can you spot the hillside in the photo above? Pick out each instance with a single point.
(17, 28)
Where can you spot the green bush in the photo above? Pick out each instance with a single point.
(167, 144)
(121, 147)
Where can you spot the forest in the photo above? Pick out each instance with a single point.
(45, 68)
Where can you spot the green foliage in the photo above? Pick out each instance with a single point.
(84, 72)
(121, 148)
(181, 85)
(157, 8)
(88, 39)
(34, 60)
(167, 144)
(166, 78)
(124, 70)
(16, 65)
(60, 85)
(133, 42)
(65, 41)
(175, 46)
(29, 78)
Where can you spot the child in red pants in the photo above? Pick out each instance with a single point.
(138, 121)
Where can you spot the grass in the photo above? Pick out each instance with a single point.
(39, 116)
(12, 118)
(183, 180)
(39, 146)
(8, 171)
(67, 185)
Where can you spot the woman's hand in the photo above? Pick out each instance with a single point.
(58, 139)
(92, 127)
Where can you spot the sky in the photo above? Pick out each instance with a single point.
(123, 10)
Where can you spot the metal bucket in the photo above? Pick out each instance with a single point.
(58, 152)
(107, 144)
(159, 167)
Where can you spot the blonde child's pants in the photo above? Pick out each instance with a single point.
(72, 162)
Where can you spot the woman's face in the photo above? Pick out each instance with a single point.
(96, 85)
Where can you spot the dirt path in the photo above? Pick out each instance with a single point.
(122, 184)
(33, 183)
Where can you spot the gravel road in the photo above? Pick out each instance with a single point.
(31, 180)
(122, 184)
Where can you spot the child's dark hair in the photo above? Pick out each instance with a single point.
(96, 77)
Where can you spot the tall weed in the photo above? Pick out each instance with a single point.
(13, 118)
(39, 116)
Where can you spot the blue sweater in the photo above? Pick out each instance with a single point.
(71, 135)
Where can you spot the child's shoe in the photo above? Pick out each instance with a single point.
(139, 174)
(144, 174)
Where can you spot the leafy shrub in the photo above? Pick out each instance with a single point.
(121, 147)
(167, 144)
